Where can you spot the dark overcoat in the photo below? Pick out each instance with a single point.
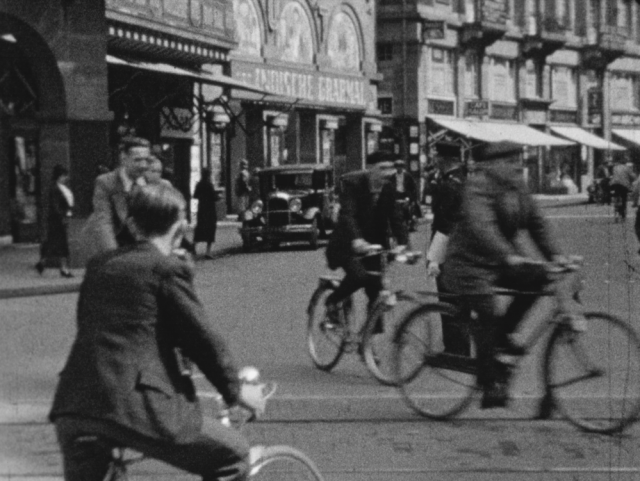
(364, 214)
(496, 207)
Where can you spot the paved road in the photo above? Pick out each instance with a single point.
(259, 300)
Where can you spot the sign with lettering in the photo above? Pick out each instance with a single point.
(535, 116)
(566, 116)
(433, 30)
(505, 112)
(441, 107)
(476, 108)
(625, 119)
(307, 85)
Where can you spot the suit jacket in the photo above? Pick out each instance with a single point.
(106, 227)
(136, 306)
(496, 207)
(364, 214)
(410, 189)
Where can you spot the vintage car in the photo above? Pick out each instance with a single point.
(296, 202)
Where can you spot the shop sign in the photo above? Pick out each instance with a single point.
(441, 107)
(504, 112)
(176, 123)
(564, 116)
(594, 101)
(307, 85)
(535, 117)
(433, 30)
(625, 119)
(476, 108)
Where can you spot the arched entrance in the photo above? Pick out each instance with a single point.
(31, 91)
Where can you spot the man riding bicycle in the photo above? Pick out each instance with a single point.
(126, 382)
(368, 215)
(483, 253)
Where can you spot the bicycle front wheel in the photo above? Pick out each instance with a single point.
(326, 340)
(283, 463)
(594, 375)
(436, 380)
(377, 336)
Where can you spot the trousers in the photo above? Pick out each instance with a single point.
(217, 453)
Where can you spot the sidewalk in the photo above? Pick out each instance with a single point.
(18, 276)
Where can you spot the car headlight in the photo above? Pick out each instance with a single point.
(295, 205)
(256, 207)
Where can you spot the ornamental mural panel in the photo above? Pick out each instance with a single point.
(247, 27)
(294, 37)
(343, 47)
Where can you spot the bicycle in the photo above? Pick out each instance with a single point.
(328, 342)
(279, 462)
(589, 352)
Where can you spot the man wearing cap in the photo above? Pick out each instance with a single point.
(406, 193)
(367, 216)
(483, 253)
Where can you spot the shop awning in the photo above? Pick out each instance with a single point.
(202, 76)
(583, 137)
(629, 135)
(496, 132)
(467, 128)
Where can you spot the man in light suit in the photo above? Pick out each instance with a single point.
(106, 227)
(124, 383)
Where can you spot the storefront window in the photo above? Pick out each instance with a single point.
(441, 73)
(564, 89)
(472, 75)
(503, 83)
(24, 202)
(624, 92)
(533, 75)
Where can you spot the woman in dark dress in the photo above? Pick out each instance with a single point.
(207, 220)
(55, 249)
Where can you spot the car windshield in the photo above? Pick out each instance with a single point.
(293, 181)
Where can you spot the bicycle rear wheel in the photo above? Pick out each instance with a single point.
(435, 381)
(594, 376)
(283, 463)
(377, 346)
(326, 341)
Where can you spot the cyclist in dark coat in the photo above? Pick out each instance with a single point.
(483, 253)
(367, 216)
(126, 382)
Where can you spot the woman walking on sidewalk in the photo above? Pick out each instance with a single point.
(55, 248)
(207, 220)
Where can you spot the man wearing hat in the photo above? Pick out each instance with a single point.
(482, 253)
(243, 186)
(406, 193)
(367, 216)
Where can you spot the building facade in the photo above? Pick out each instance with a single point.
(472, 71)
(315, 59)
(77, 76)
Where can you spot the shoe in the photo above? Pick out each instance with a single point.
(66, 274)
(39, 267)
(506, 346)
(332, 317)
(495, 396)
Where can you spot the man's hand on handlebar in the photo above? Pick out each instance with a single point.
(362, 247)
